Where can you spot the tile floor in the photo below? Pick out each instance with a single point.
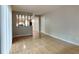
(43, 45)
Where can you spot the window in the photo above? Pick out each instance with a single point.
(23, 20)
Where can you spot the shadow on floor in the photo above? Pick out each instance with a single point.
(15, 39)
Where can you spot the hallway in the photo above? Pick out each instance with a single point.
(43, 45)
(58, 21)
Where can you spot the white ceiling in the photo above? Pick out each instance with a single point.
(36, 9)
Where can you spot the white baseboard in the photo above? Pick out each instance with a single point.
(61, 39)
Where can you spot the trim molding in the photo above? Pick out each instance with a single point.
(21, 35)
(61, 39)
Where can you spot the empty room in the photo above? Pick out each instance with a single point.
(39, 29)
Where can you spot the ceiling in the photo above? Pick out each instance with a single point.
(36, 9)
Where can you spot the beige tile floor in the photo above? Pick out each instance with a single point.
(43, 45)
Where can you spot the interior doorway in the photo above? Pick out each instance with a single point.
(25, 25)
(25, 28)
(35, 25)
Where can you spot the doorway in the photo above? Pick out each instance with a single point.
(25, 25)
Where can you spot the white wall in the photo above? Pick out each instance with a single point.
(43, 24)
(6, 28)
(63, 23)
(35, 24)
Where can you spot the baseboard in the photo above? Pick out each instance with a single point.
(61, 39)
(21, 35)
